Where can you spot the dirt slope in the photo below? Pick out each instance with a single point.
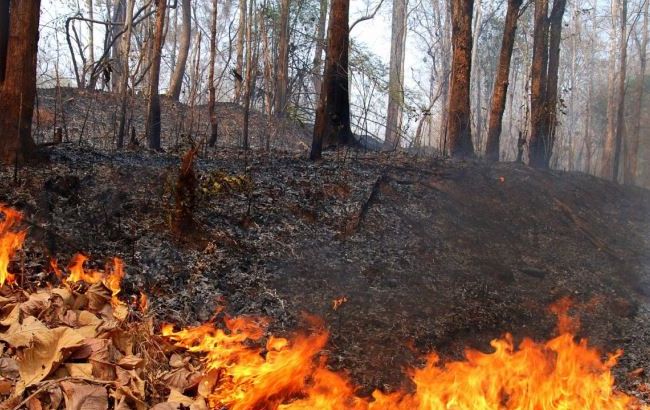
(431, 254)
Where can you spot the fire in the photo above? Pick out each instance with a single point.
(288, 374)
(246, 368)
(11, 240)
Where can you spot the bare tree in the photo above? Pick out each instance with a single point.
(18, 49)
(332, 125)
(124, 77)
(459, 122)
(239, 68)
(176, 82)
(620, 110)
(396, 76)
(500, 91)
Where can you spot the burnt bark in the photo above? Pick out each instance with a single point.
(458, 120)
(4, 36)
(332, 125)
(153, 117)
(18, 87)
(176, 82)
(500, 91)
(557, 13)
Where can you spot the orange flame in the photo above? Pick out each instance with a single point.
(11, 240)
(286, 375)
(338, 302)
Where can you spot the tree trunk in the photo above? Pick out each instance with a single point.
(211, 86)
(555, 22)
(620, 109)
(18, 84)
(117, 57)
(4, 36)
(176, 82)
(320, 46)
(251, 70)
(241, 31)
(500, 91)
(91, 43)
(283, 60)
(610, 135)
(459, 116)
(332, 125)
(153, 117)
(632, 147)
(396, 76)
(539, 69)
(124, 76)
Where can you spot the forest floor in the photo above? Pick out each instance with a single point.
(431, 254)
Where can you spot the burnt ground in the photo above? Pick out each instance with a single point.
(431, 254)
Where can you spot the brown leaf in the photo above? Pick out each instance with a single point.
(84, 396)
(6, 386)
(98, 296)
(130, 362)
(181, 379)
(50, 347)
(83, 370)
(103, 358)
(36, 303)
(34, 404)
(21, 335)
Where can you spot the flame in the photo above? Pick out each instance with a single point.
(245, 368)
(11, 240)
(288, 374)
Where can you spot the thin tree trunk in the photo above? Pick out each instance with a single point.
(332, 125)
(396, 76)
(153, 118)
(620, 110)
(500, 91)
(91, 42)
(211, 85)
(320, 46)
(18, 85)
(117, 57)
(632, 147)
(239, 70)
(283, 60)
(124, 76)
(610, 136)
(251, 58)
(176, 82)
(459, 120)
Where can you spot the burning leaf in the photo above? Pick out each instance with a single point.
(84, 396)
(338, 302)
(50, 347)
(11, 240)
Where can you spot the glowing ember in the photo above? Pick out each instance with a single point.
(338, 302)
(11, 240)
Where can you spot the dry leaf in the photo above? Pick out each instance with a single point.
(34, 404)
(130, 362)
(21, 335)
(50, 347)
(102, 358)
(181, 379)
(166, 406)
(6, 386)
(84, 370)
(98, 296)
(84, 396)
(36, 303)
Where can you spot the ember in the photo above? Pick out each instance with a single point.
(243, 367)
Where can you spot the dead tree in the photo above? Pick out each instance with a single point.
(500, 91)
(332, 125)
(459, 115)
(18, 49)
(176, 81)
(153, 117)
